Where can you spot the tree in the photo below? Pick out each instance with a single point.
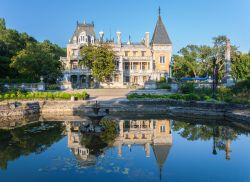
(192, 61)
(35, 61)
(100, 60)
(18, 46)
(241, 66)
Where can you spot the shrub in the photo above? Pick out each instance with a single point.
(42, 95)
(191, 96)
(162, 79)
(164, 86)
(170, 80)
(53, 87)
(187, 88)
(176, 96)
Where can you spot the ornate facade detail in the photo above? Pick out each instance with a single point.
(136, 63)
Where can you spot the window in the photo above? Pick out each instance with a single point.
(134, 53)
(162, 59)
(126, 53)
(162, 129)
(126, 66)
(142, 53)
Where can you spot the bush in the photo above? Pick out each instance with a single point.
(162, 80)
(42, 95)
(176, 96)
(53, 87)
(164, 86)
(187, 88)
(190, 97)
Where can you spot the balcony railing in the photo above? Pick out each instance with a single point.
(77, 71)
(75, 57)
(137, 58)
(137, 71)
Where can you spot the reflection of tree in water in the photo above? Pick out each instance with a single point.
(96, 142)
(28, 139)
(222, 136)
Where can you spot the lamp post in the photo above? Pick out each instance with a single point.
(214, 76)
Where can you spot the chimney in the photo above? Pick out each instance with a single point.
(101, 35)
(146, 39)
(118, 34)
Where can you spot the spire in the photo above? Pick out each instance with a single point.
(160, 35)
(161, 153)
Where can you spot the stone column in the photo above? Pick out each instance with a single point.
(121, 123)
(120, 149)
(228, 80)
(147, 149)
(228, 149)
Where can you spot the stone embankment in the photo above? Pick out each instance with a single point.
(188, 109)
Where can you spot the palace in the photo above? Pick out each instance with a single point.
(136, 63)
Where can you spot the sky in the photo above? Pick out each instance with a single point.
(187, 21)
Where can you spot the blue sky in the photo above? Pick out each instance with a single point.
(187, 21)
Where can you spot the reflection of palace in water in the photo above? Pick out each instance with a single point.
(146, 132)
(74, 143)
(131, 132)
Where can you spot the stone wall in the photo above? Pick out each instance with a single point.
(18, 110)
(186, 109)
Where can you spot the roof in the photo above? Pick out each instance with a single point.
(161, 153)
(160, 35)
(83, 27)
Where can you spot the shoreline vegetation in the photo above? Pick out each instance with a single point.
(21, 95)
(239, 94)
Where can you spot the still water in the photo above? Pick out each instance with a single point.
(138, 149)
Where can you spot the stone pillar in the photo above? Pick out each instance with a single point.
(121, 123)
(121, 69)
(101, 35)
(118, 35)
(151, 64)
(120, 150)
(228, 80)
(146, 38)
(147, 149)
(228, 149)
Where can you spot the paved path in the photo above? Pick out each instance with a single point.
(106, 94)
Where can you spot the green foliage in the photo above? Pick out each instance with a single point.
(241, 66)
(53, 87)
(162, 79)
(21, 56)
(163, 85)
(36, 61)
(43, 95)
(24, 140)
(100, 59)
(196, 61)
(110, 130)
(187, 88)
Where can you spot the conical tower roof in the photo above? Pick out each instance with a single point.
(161, 153)
(160, 35)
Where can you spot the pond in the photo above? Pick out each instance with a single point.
(125, 149)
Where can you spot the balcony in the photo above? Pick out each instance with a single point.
(136, 58)
(137, 71)
(75, 57)
(77, 71)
